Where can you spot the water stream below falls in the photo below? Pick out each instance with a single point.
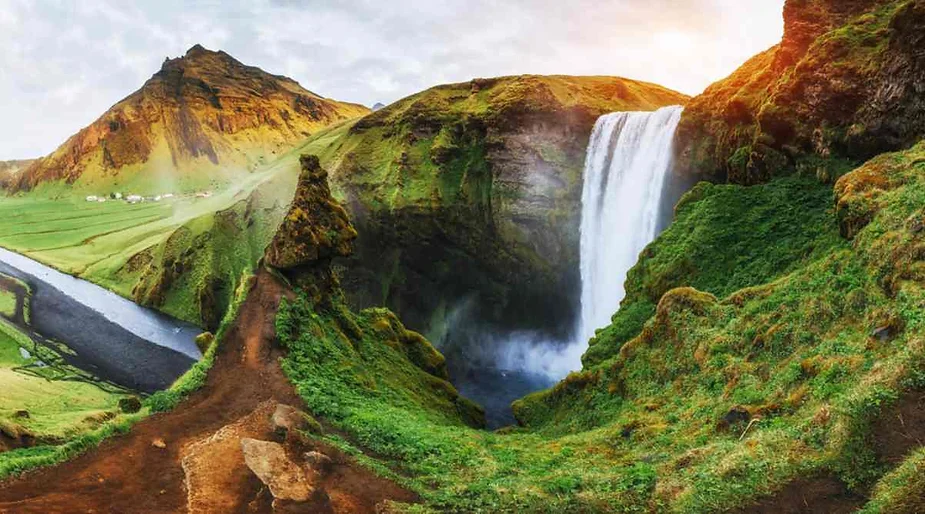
(106, 335)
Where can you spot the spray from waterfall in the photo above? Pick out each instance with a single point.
(628, 160)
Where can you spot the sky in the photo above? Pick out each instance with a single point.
(64, 63)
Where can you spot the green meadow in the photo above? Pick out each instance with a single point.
(57, 405)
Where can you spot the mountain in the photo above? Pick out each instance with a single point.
(202, 120)
(377, 106)
(204, 129)
(9, 170)
(466, 196)
(845, 84)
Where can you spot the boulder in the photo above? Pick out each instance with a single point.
(285, 479)
(287, 421)
(318, 462)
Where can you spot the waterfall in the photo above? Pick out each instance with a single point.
(628, 158)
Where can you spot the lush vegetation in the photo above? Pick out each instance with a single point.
(725, 238)
(43, 399)
(182, 255)
(718, 399)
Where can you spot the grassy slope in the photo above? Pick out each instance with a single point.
(718, 243)
(57, 408)
(789, 341)
(96, 241)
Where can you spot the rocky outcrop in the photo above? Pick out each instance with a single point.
(204, 116)
(315, 231)
(285, 479)
(9, 170)
(316, 228)
(471, 191)
(846, 83)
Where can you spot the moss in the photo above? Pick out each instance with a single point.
(725, 238)
(723, 396)
(902, 491)
(817, 95)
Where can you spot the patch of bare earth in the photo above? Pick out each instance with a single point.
(143, 471)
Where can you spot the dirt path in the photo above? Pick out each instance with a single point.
(128, 474)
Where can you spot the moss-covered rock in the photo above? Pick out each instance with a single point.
(316, 227)
(843, 86)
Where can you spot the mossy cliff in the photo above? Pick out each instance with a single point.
(844, 85)
(336, 357)
(474, 189)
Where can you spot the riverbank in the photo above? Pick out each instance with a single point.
(106, 335)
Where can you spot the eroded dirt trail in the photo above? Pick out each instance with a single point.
(129, 474)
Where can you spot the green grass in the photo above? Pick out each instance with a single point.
(726, 238)
(7, 303)
(125, 247)
(57, 408)
(785, 336)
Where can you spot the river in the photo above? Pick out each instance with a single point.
(109, 336)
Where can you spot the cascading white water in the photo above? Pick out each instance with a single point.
(627, 162)
(628, 159)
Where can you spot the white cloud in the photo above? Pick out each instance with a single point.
(64, 62)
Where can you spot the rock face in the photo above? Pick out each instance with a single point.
(285, 479)
(9, 170)
(315, 230)
(846, 83)
(472, 190)
(204, 116)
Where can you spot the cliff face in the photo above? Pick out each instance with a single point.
(846, 83)
(473, 189)
(204, 116)
(9, 170)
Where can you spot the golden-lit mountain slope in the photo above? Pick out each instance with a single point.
(203, 119)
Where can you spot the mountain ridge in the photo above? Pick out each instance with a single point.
(204, 117)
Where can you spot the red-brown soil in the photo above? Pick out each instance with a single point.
(819, 495)
(128, 474)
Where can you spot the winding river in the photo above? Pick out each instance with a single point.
(108, 335)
